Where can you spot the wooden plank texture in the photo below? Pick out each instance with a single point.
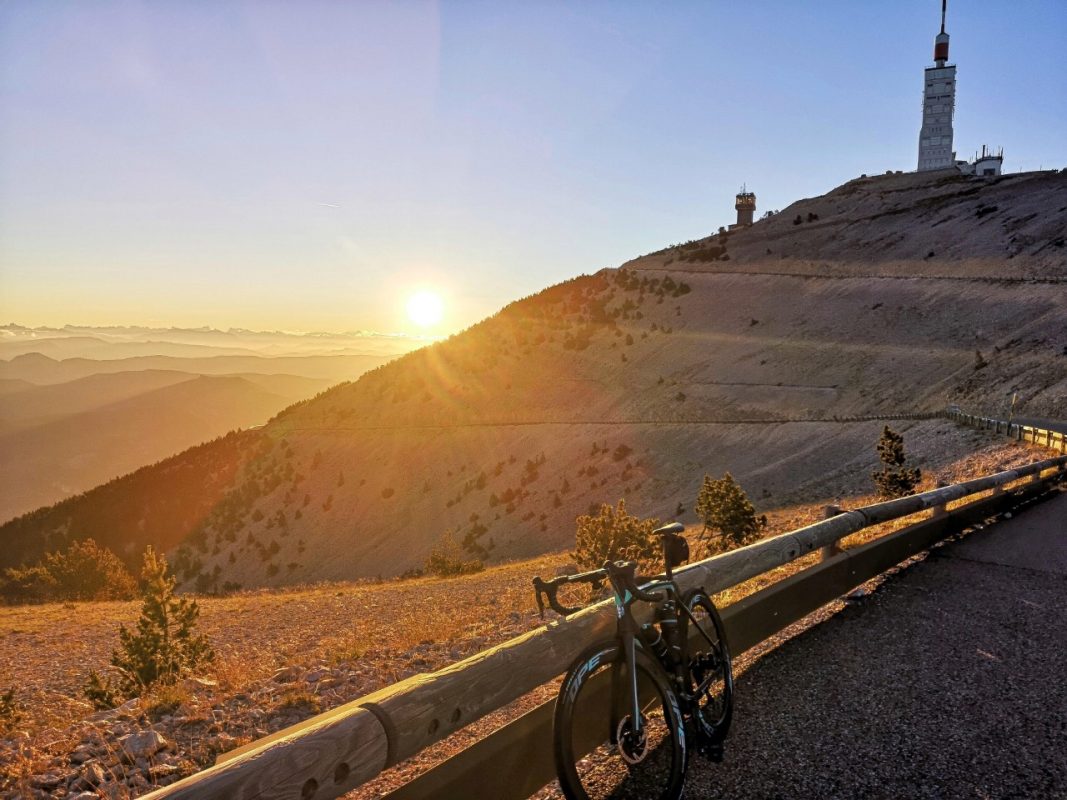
(324, 759)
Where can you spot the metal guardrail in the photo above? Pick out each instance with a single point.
(341, 749)
(1054, 440)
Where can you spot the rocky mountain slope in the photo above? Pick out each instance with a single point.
(737, 352)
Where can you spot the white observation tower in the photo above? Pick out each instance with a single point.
(939, 102)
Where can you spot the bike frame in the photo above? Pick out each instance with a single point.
(628, 588)
(629, 632)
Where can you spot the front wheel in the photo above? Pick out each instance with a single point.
(599, 752)
(710, 677)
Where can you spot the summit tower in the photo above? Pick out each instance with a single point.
(745, 203)
(939, 104)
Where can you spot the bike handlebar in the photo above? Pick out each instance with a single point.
(621, 572)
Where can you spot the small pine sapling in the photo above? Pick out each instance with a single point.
(724, 507)
(165, 644)
(895, 478)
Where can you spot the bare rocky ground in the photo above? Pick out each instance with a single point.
(281, 657)
(285, 655)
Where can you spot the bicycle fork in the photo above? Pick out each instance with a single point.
(625, 700)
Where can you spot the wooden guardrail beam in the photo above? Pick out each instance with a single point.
(325, 758)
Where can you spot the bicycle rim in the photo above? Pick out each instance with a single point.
(591, 762)
(710, 668)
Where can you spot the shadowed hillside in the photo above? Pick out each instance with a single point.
(56, 441)
(634, 382)
(159, 504)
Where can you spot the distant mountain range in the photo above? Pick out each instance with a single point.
(79, 406)
(74, 341)
(41, 369)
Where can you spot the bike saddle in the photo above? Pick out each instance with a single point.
(674, 527)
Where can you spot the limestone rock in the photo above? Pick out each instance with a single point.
(144, 744)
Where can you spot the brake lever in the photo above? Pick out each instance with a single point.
(549, 589)
(538, 584)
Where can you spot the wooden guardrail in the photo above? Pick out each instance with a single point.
(337, 751)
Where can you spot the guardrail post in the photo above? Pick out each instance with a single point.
(834, 548)
(942, 509)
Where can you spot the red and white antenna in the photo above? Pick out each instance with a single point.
(941, 42)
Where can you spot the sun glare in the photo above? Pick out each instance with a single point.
(425, 309)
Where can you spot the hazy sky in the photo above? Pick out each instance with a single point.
(308, 165)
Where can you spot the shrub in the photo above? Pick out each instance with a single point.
(723, 506)
(895, 478)
(165, 645)
(84, 571)
(446, 559)
(611, 534)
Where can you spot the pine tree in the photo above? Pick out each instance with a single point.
(84, 571)
(895, 478)
(165, 644)
(611, 534)
(724, 506)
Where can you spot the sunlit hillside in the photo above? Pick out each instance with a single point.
(633, 383)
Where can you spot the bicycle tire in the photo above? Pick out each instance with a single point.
(584, 704)
(714, 709)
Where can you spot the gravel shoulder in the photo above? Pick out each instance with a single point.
(947, 682)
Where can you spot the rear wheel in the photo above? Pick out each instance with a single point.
(599, 752)
(710, 679)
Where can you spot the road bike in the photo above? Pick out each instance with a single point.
(633, 706)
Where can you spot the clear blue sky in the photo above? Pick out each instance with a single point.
(307, 165)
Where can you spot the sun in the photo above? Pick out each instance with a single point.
(425, 308)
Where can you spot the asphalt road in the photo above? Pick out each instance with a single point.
(949, 681)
